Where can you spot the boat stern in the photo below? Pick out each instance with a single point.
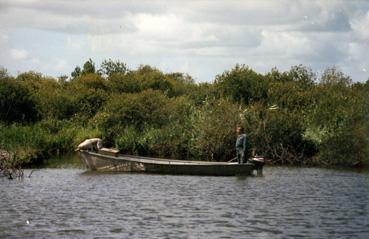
(258, 162)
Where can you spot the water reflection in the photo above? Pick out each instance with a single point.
(285, 202)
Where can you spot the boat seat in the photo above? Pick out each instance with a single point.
(109, 151)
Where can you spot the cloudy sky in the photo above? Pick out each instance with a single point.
(201, 38)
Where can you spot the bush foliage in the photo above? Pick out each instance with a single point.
(291, 117)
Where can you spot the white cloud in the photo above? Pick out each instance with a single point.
(360, 26)
(205, 37)
(154, 25)
(286, 44)
(73, 43)
(72, 24)
(4, 38)
(60, 65)
(19, 54)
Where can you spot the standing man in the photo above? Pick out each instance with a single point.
(240, 144)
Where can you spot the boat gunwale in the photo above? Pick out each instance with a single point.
(162, 161)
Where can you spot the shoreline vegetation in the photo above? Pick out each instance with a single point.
(292, 118)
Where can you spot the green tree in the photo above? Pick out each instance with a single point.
(145, 77)
(88, 92)
(148, 108)
(242, 84)
(76, 73)
(333, 76)
(278, 135)
(214, 130)
(16, 102)
(88, 67)
(124, 83)
(110, 67)
(3, 73)
(338, 123)
(304, 76)
(51, 97)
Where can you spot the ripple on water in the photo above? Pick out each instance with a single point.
(286, 202)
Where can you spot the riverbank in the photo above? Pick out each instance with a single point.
(72, 160)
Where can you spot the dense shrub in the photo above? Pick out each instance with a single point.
(242, 84)
(291, 117)
(16, 102)
(139, 110)
(347, 147)
(37, 142)
(214, 130)
(278, 135)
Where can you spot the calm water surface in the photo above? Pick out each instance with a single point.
(284, 203)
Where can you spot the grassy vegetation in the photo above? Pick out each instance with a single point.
(293, 117)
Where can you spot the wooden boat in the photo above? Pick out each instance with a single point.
(110, 161)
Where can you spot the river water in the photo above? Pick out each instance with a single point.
(284, 203)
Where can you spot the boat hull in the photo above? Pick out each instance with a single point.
(127, 163)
